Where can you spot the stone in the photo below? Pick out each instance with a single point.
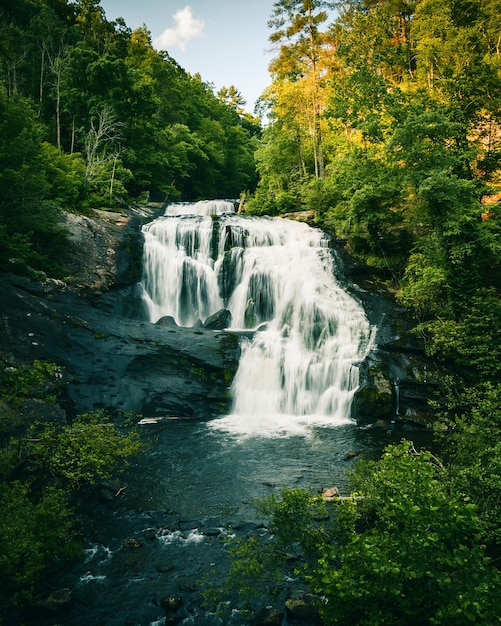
(211, 532)
(268, 616)
(35, 409)
(330, 493)
(56, 599)
(131, 543)
(187, 583)
(352, 455)
(302, 610)
(172, 620)
(166, 568)
(219, 320)
(171, 603)
(116, 363)
(166, 320)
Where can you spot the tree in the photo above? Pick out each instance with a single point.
(37, 529)
(417, 559)
(233, 97)
(473, 448)
(296, 25)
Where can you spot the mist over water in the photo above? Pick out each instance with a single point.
(299, 366)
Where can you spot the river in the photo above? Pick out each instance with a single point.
(289, 426)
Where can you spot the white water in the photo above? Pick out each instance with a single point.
(275, 276)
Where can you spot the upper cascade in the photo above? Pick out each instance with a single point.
(276, 277)
(202, 207)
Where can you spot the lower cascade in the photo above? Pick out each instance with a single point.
(303, 334)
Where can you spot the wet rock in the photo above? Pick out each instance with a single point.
(106, 494)
(150, 534)
(302, 610)
(42, 411)
(167, 320)
(187, 583)
(374, 399)
(219, 320)
(166, 568)
(211, 532)
(353, 454)
(249, 527)
(172, 620)
(268, 616)
(171, 603)
(115, 363)
(188, 524)
(57, 599)
(206, 619)
(397, 380)
(109, 491)
(131, 543)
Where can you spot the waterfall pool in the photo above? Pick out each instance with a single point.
(193, 484)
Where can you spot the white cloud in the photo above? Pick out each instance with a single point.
(186, 28)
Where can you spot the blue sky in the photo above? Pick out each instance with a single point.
(225, 41)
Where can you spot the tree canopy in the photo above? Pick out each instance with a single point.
(92, 116)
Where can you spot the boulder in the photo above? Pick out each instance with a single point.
(113, 362)
(166, 320)
(302, 610)
(219, 320)
(56, 599)
(172, 603)
(374, 400)
(268, 616)
(104, 248)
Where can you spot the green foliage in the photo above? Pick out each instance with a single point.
(298, 521)
(42, 466)
(412, 553)
(28, 220)
(470, 345)
(474, 449)
(298, 526)
(424, 287)
(91, 114)
(35, 530)
(89, 449)
(40, 381)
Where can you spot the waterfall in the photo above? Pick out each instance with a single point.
(276, 277)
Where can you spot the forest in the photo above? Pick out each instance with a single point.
(384, 123)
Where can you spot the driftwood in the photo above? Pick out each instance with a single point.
(333, 495)
(342, 498)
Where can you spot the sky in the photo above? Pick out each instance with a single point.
(225, 41)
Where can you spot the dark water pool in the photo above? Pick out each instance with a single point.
(192, 481)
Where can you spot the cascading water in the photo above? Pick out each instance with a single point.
(275, 276)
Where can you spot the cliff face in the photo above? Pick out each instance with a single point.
(104, 248)
(91, 326)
